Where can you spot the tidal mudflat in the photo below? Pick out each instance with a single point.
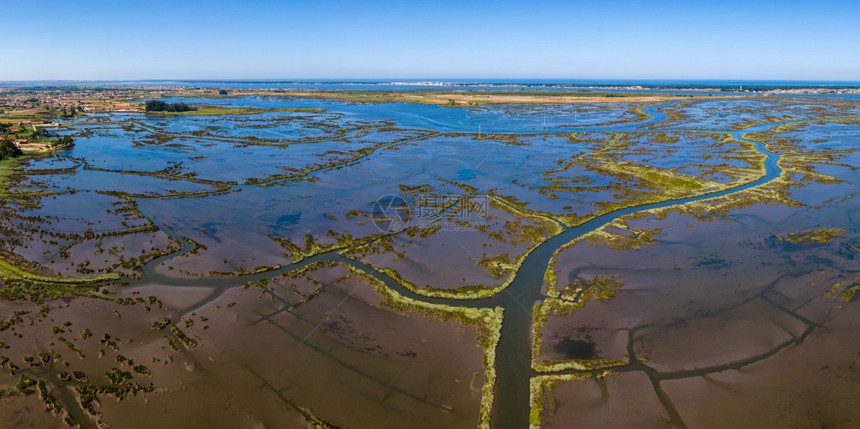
(282, 261)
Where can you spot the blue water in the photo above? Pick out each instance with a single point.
(440, 118)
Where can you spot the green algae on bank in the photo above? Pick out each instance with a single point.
(21, 284)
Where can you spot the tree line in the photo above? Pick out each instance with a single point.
(160, 106)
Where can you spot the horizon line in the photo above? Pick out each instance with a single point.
(434, 79)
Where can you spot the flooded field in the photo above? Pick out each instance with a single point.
(319, 263)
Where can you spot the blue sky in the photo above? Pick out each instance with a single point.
(786, 40)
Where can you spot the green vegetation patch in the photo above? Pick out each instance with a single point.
(813, 236)
(20, 284)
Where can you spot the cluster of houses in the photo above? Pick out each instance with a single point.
(81, 99)
(45, 130)
(28, 99)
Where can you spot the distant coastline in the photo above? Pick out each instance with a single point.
(622, 85)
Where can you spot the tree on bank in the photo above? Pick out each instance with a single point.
(8, 149)
(63, 142)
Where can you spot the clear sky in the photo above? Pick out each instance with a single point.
(117, 39)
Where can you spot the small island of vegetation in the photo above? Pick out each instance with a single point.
(63, 142)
